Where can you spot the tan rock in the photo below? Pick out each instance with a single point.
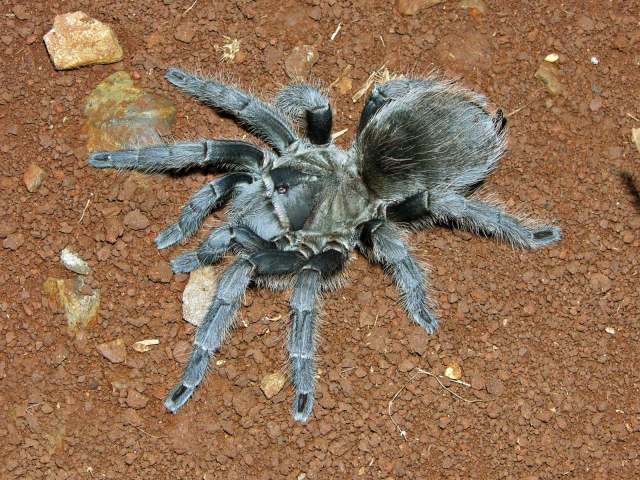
(345, 85)
(33, 177)
(79, 309)
(453, 371)
(272, 383)
(412, 7)
(549, 74)
(77, 40)
(114, 351)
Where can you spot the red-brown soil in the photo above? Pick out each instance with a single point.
(548, 340)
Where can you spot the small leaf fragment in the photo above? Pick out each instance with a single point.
(145, 345)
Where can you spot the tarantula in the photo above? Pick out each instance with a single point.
(299, 209)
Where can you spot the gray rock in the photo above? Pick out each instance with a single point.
(198, 293)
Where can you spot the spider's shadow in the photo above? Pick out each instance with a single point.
(631, 184)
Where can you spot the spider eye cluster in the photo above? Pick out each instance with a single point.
(282, 188)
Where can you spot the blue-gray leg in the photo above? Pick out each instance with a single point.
(386, 246)
(308, 107)
(220, 154)
(258, 117)
(483, 218)
(208, 252)
(303, 332)
(232, 285)
(302, 344)
(200, 204)
(219, 241)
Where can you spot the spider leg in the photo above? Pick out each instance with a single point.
(199, 206)
(303, 332)
(387, 247)
(476, 216)
(221, 154)
(258, 117)
(232, 285)
(310, 108)
(219, 241)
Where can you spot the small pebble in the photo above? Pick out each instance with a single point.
(453, 371)
(114, 351)
(33, 177)
(72, 261)
(272, 383)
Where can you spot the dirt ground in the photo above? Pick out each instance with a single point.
(548, 341)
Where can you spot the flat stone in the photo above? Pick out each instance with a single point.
(119, 115)
(468, 52)
(77, 40)
(21, 12)
(33, 177)
(113, 229)
(197, 295)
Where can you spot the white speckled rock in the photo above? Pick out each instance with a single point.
(198, 294)
(77, 40)
(72, 261)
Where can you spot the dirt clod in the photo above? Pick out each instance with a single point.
(299, 62)
(136, 220)
(136, 400)
(185, 32)
(160, 272)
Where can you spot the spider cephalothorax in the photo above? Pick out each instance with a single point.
(299, 209)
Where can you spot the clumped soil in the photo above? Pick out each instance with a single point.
(548, 340)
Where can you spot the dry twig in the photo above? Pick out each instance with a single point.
(420, 371)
